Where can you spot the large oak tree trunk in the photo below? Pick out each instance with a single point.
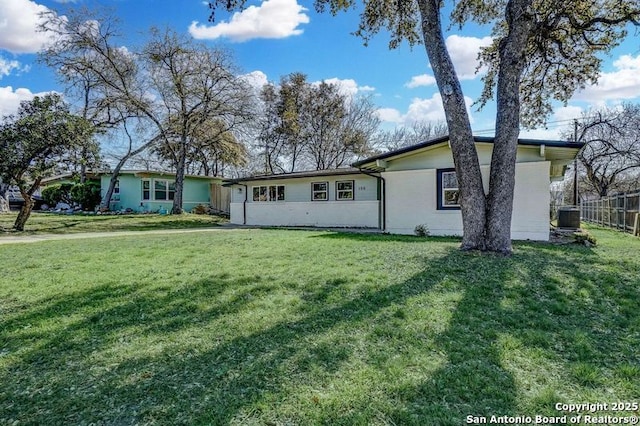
(461, 138)
(26, 209)
(512, 52)
(180, 166)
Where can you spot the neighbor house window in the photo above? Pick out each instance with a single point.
(344, 190)
(146, 189)
(163, 189)
(448, 190)
(116, 191)
(319, 191)
(268, 193)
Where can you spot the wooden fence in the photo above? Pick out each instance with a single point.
(620, 211)
(220, 198)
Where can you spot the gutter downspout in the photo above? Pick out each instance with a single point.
(244, 204)
(383, 185)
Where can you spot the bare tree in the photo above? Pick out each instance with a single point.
(612, 150)
(195, 85)
(400, 137)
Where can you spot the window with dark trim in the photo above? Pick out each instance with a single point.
(344, 190)
(268, 193)
(116, 191)
(146, 189)
(319, 191)
(448, 190)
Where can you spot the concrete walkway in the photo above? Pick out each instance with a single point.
(17, 239)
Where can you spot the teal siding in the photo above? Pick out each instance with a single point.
(196, 191)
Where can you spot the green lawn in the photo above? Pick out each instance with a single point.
(51, 223)
(276, 327)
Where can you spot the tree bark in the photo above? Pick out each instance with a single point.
(180, 166)
(512, 52)
(465, 157)
(26, 209)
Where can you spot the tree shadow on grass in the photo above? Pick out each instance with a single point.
(324, 361)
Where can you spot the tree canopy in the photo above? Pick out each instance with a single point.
(34, 141)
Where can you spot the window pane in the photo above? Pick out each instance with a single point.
(272, 193)
(160, 185)
(256, 193)
(172, 186)
(281, 193)
(449, 180)
(320, 186)
(345, 186)
(345, 195)
(145, 194)
(146, 184)
(451, 197)
(263, 193)
(320, 195)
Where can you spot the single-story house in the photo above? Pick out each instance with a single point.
(147, 191)
(399, 190)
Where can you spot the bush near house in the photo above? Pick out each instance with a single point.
(86, 195)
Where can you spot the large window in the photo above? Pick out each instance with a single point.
(163, 190)
(344, 190)
(268, 193)
(319, 191)
(448, 191)
(160, 189)
(146, 190)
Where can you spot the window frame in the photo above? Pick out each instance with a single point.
(148, 190)
(279, 191)
(168, 191)
(314, 191)
(441, 190)
(339, 191)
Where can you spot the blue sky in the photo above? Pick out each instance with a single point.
(273, 38)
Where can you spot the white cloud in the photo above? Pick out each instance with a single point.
(256, 79)
(10, 99)
(623, 83)
(272, 19)
(348, 86)
(464, 54)
(420, 110)
(421, 80)
(390, 115)
(7, 66)
(19, 21)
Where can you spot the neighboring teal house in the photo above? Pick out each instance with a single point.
(151, 191)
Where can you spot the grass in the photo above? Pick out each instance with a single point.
(276, 327)
(52, 223)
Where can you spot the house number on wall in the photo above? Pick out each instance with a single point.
(362, 188)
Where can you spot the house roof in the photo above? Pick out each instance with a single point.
(303, 174)
(372, 163)
(138, 173)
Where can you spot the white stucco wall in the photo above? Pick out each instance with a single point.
(412, 200)
(311, 213)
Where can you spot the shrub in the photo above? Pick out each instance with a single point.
(58, 193)
(583, 237)
(201, 209)
(86, 194)
(421, 230)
